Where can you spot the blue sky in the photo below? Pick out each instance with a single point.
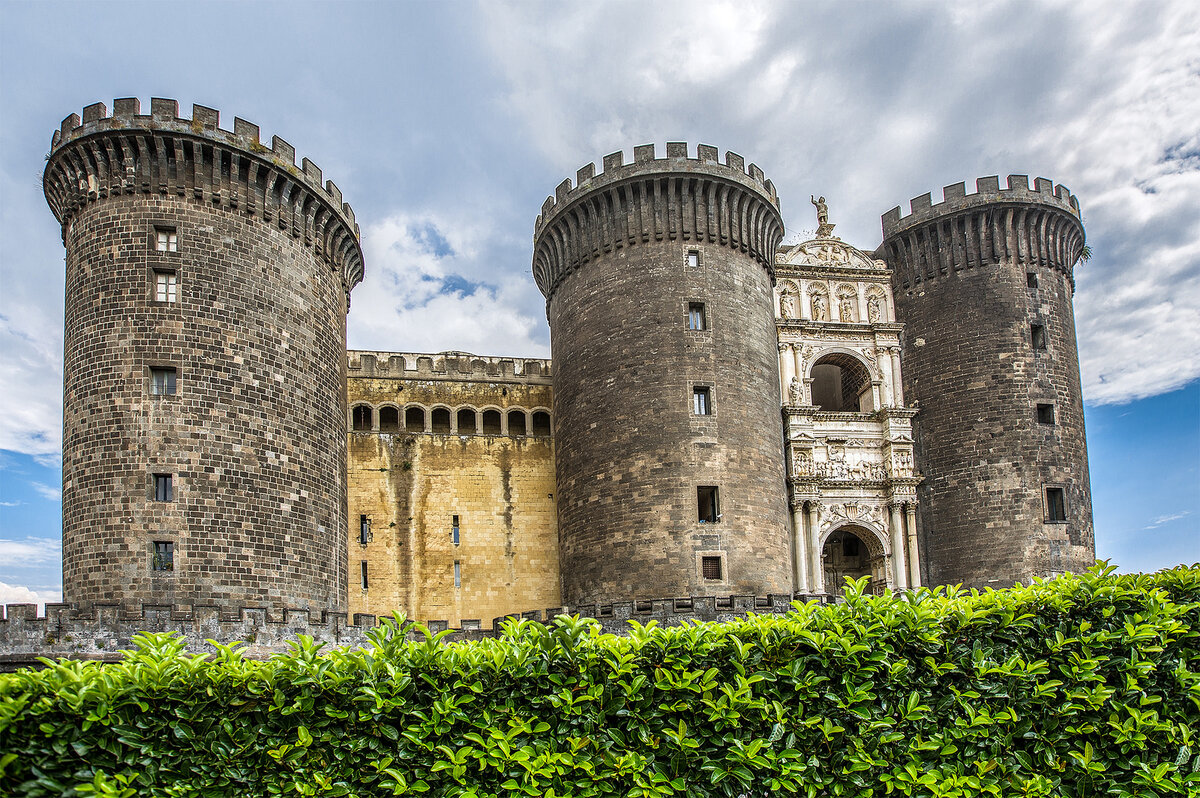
(446, 125)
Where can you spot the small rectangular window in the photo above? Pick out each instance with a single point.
(1037, 336)
(364, 529)
(454, 530)
(457, 574)
(710, 567)
(693, 257)
(1031, 279)
(362, 569)
(1045, 414)
(166, 239)
(696, 320)
(708, 504)
(166, 286)
(701, 402)
(163, 488)
(1056, 505)
(162, 381)
(163, 556)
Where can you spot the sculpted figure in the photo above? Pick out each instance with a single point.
(794, 391)
(873, 309)
(822, 210)
(846, 309)
(787, 306)
(818, 307)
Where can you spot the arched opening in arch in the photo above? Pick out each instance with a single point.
(491, 422)
(467, 422)
(440, 420)
(414, 419)
(516, 422)
(853, 551)
(362, 417)
(841, 384)
(389, 419)
(541, 423)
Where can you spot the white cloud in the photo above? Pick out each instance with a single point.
(10, 504)
(30, 552)
(1166, 519)
(19, 594)
(48, 492)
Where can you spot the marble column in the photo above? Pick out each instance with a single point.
(885, 373)
(814, 547)
(914, 563)
(896, 528)
(897, 380)
(799, 550)
(787, 370)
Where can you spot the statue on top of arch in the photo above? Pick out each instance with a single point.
(824, 228)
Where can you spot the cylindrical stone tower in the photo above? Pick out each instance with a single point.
(208, 280)
(983, 283)
(668, 436)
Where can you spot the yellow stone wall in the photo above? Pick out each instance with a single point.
(411, 483)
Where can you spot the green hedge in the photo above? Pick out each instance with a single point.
(1086, 685)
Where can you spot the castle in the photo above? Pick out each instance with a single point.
(722, 418)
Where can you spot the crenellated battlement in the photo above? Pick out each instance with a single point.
(101, 631)
(655, 199)
(447, 366)
(615, 617)
(955, 199)
(99, 155)
(644, 161)
(1037, 226)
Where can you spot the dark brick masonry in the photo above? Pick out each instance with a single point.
(612, 257)
(265, 257)
(971, 277)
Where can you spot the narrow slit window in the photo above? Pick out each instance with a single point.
(166, 286)
(166, 239)
(1031, 279)
(457, 574)
(696, 318)
(364, 529)
(693, 257)
(162, 381)
(1056, 505)
(164, 489)
(1045, 414)
(1037, 336)
(454, 536)
(710, 568)
(163, 556)
(701, 402)
(362, 570)
(708, 504)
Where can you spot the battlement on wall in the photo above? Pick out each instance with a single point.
(446, 366)
(102, 630)
(98, 155)
(615, 617)
(987, 191)
(706, 162)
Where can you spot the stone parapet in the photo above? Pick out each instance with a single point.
(161, 153)
(446, 366)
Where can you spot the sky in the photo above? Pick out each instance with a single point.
(446, 125)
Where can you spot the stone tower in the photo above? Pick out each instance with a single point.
(208, 280)
(983, 283)
(668, 439)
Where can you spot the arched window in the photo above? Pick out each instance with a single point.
(440, 419)
(516, 422)
(468, 423)
(841, 384)
(389, 419)
(362, 417)
(414, 419)
(491, 422)
(541, 423)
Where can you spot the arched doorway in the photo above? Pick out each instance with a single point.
(853, 551)
(841, 383)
